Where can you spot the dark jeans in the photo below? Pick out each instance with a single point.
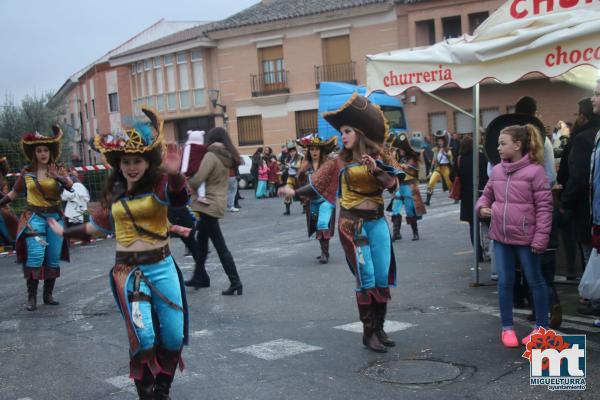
(506, 258)
(548, 270)
(208, 227)
(479, 249)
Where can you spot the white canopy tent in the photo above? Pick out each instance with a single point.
(550, 37)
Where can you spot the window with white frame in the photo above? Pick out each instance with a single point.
(198, 74)
(113, 102)
(184, 99)
(196, 54)
(199, 98)
(463, 123)
(143, 91)
(151, 101)
(170, 70)
(437, 122)
(150, 75)
(172, 101)
(160, 86)
(184, 81)
(181, 58)
(169, 59)
(147, 65)
(487, 115)
(160, 102)
(132, 68)
(156, 62)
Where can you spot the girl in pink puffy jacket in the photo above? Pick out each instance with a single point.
(517, 197)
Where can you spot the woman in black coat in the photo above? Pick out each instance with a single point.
(463, 168)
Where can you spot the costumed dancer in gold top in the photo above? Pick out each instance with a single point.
(320, 214)
(358, 177)
(441, 164)
(38, 248)
(292, 164)
(146, 282)
(407, 194)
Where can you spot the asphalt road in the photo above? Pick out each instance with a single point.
(294, 332)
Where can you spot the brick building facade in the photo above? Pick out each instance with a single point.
(267, 62)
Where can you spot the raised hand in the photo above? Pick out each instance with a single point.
(172, 159)
(369, 162)
(285, 191)
(52, 171)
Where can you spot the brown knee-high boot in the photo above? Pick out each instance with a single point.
(428, 200)
(145, 385)
(397, 223)
(324, 257)
(412, 221)
(370, 339)
(380, 312)
(168, 360)
(32, 287)
(48, 289)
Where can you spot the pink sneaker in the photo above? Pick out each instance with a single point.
(509, 338)
(527, 338)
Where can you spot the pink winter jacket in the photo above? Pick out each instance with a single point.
(519, 195)
(263, 173)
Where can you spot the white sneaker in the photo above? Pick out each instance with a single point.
(233, 209)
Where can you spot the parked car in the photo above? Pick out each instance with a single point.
(246, 180)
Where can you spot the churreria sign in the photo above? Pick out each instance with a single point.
(410, 78)
(558, 56)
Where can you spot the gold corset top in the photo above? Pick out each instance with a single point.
(359, 185)
(148, 214)
(50, 188)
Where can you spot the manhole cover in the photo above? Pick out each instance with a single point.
(413, 372)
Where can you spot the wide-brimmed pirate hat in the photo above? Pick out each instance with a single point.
(314, 140)
(291, 144)
(139, 137)
(30, 140)
(442, 135)
(404, 142)
(359, 113)
(492, 132)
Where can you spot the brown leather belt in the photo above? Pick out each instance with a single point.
(142, 257)
(43, 210)
(366, 215)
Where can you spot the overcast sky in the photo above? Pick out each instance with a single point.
(43, 42)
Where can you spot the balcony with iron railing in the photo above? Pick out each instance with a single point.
(268, 83)
(345, 72)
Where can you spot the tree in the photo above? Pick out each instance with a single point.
(33, 114)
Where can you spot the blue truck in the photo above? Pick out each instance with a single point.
(333, 94)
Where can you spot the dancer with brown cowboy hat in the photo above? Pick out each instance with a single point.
(407, 194)
(147, 284)
(358, 176)
(320, 214)
(38, 247)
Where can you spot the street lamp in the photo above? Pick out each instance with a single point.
(213, 96)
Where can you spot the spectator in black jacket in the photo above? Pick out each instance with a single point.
(576, 194)
(463, 168)
(566, 227)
